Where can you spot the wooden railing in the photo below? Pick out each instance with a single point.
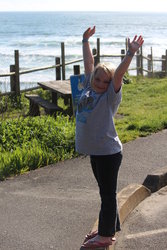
(60, 66)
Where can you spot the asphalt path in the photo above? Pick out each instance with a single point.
(55, 206)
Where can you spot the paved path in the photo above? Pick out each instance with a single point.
(54, 207)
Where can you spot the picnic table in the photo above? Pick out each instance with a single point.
(58, 88)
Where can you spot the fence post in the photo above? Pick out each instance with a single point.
(58, 69)
(126, 44)
(94, 52)
(149, 66)
(138, 62)
(98, 50)
(17, 75)
(122, 54)
(63, 60)
(76, 69)
(166, 64)
(163, 65)
(13, 87)
(141, 60)
(58, 77)
(152, 73)
(12, 79)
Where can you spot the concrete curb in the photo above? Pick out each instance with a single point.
(130, 196)
(157, 180)
(128, 199)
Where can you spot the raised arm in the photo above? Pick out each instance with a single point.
(122, 68)
(87, 54)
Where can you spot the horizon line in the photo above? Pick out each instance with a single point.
(131, 11)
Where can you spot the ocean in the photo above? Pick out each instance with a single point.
(38, 37)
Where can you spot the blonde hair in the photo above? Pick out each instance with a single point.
(108, 68)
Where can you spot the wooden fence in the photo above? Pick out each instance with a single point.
(60, 66)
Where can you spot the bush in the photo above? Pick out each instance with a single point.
(33, 142)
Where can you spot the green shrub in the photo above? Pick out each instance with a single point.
(33, 142)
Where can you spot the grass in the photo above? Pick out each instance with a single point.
(33, 142)
(27, 143)
(143, 109)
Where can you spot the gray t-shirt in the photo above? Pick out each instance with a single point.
(95, 130)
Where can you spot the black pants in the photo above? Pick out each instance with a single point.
(105, 169)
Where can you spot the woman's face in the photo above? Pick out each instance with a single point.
(101, 81)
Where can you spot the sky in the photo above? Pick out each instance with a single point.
(84, 5)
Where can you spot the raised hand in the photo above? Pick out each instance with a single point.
(135, 44)
(89, 32)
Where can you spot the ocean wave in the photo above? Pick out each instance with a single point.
(39, 36)
(33, 43)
